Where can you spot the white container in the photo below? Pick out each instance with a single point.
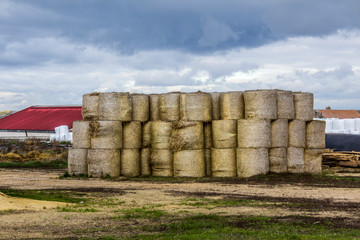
(349, 125)
(357, 124)
(338, 124)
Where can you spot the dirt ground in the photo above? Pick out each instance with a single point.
(282, 196)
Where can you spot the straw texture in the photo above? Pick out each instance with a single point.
(315, 134)
(313, 161)
(169, 107)
(103, 162)
(90, 106)
(162, 162)
(260, 104)
(132, 135)
(304, 106)
(297, 133)
(254, 133)
(279, 133)
(160, 134)
(115, 106)
(207, 155)
(154, 107)
(81, 134)
(215, 103)
(224, 133)
(208, 135)
(189, 163)
(252, 161)
(130, 163)
(187, 136)
(195, 107)
(145, 159)
(141, 107)
(77, 163)
(277, 158)
(223, 162)
(106, 134)
(285, 104)
(295, 160)
(231, 106)
(146, 135)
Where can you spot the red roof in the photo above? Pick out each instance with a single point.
(341, 114)
(41, 118)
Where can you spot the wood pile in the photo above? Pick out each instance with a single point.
(343, 159)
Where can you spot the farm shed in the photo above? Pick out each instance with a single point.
(38, 121)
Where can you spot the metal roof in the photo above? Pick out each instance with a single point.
(341, 114)
(41, 118)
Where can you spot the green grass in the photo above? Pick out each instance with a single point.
(137, 213)
(75, 209)
(47, 195)
(35, 164)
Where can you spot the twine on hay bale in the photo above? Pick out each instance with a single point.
(81, 134)
(295, 160)
(130, 163)
(297, 130)
(252, 161)
(115, 106)
(106, 134)
(189, 163)
(77, 163)
(169, 107)
(223, 162)
(90, 105)
(285, 104)
(254, 133)
(260, 104)
(224, 133)
(313, 160)
(162, 162)
(315, 134)
(277, 159)
(279, 133)
(304, 106)
(141, 107)
(160, 134)
(195, 107)
(231, 106)
(145, 159)
(187, 136)
(132, 135)
(103, 162)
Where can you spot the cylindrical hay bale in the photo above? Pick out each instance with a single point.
(224, 134)
(154, 107)
(195, 107)
(189, 163)
(313, 160)
(315, 134)
(187, 136)
(141, 107)
(130, 163)
(90, 106)
(215, 104)
(279, 133)
(103, 162)
(146, 135)
(295, 160)
(145, 158)
(132, 135)
(208, 135)
(304, 106)
(252, 161)
(106, 134)
(207, 155)
(231, 106)
(285, 104)
(162, 162)
(297, 130)
(77, 163)
(169, 107)
(277, 159)
(260, 104)
(81, 134)
(115, 106)
(160, 134)
(223, 162)
(254, 133)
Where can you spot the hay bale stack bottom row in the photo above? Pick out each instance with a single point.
(229, 134)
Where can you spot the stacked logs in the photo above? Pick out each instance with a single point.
(230, 134)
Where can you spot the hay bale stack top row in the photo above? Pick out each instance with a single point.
(198, 106)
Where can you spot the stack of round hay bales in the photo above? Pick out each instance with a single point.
(297, 143)
(115, 106)
(130, 154)
(145, 153)
(231, 106)
(304, 106)
(315, 146)
(187, 142)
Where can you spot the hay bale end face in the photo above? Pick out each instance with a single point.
(224, 133)
(141, 107)
(223, 162)
(215, 103)
(279, 133)
(146, 135)
(315, 134)
(77, 161)
(130, 163)
(252, 161)
(115, 106)
(313, 160)
(162, 162)
(295, 160)
(297, 133)
(187, 136)
(103, 162)
(169, 107)
(81, 134)
(277, 160)
(231, 106)
(260, 104)
(145, 160)
(189, 163)
(90, 106)
(132, 135)
(106, 134)
(195, 107)
(160, 134)
(254, 133)
(285, 104)
(304, 106)
(154, 107)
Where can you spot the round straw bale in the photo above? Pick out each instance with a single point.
(279, 133)
(254, 133)
(252, 161)
(215, 104)
(207, 155)
(106, 134)
(160, 134)
(90, 106)
(103, 162)
(187, 136)
(295, 160)
(223, 162)
(162, 162)
(130, 163)
(260, 104)
(208, 135)
(231, 106)
(145, 161)
(81, 134)
(297, 130)
(277, 159)
(146, 135)
(224, 133)
(77, 163)
(169, 107)
(189, 163)
(315, 134)
(304, 106)
(195, 107)
(313, 160)
(141, 107)
(115, 106)
(154, 107)
(132, 135)
(285, 104)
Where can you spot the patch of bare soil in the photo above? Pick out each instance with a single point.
(301, 198)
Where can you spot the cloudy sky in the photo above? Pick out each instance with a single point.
(52, 52)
